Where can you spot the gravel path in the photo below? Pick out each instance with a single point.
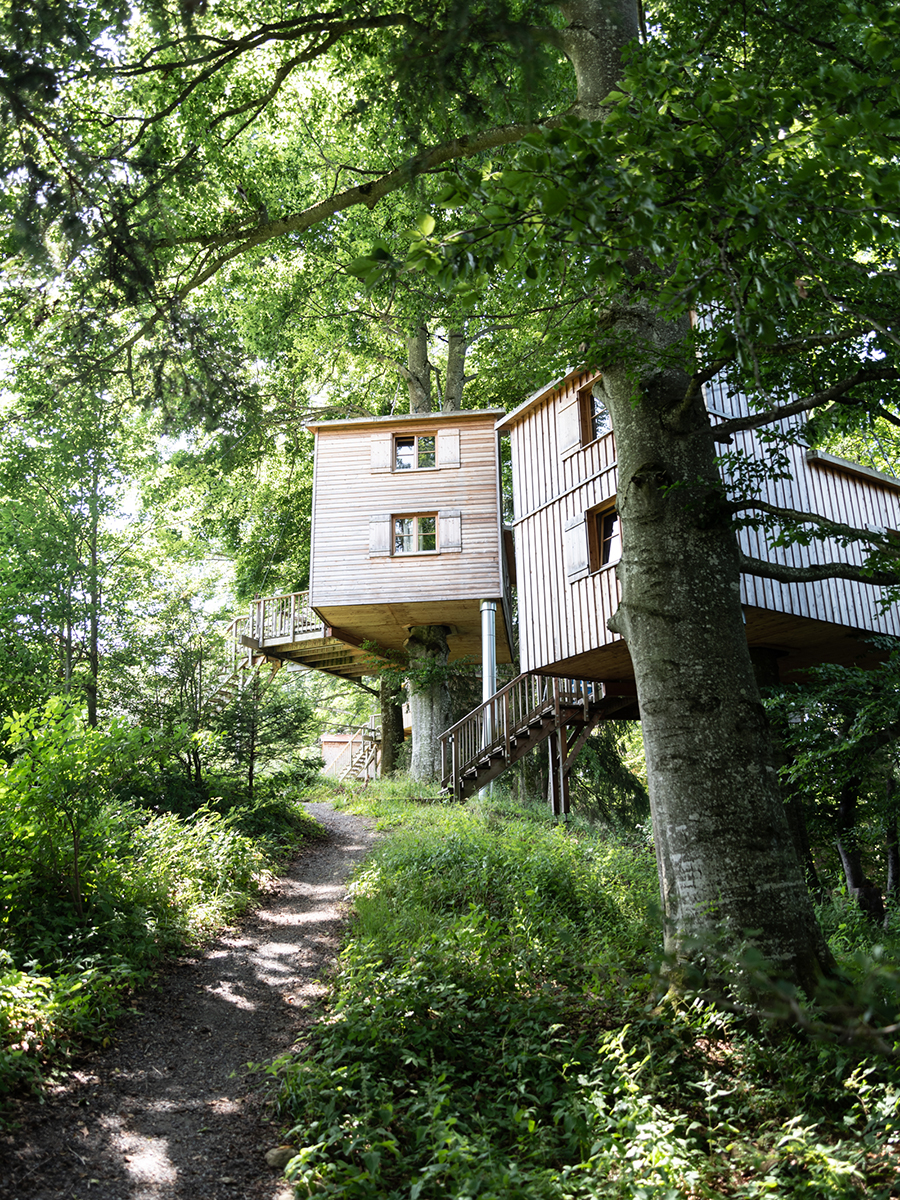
(170, 1111)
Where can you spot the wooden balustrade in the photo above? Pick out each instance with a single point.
(492, 731)
(282, 618)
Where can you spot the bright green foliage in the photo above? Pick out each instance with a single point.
(96, 883)
(495, 1034)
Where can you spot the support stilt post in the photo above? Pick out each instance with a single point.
(488, 672)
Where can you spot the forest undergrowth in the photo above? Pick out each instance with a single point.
(500, 1027)
(109, 860)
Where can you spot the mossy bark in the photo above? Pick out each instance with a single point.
(429, 698)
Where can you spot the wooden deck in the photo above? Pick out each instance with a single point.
(285, 629)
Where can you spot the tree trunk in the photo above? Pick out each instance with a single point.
(724, 853)
(391, 727)
(419, 377)
(429, 698)
(866, 893)
(892, 843)
(91, 687)
(796, 819)
(456, 372)
(726, 860)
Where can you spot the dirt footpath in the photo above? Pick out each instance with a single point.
(170, 1111)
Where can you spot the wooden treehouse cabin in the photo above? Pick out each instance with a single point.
(567, 544)
(407, 531)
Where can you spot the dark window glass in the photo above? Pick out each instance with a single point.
(427, 533)
(404, 453)
(609, 538)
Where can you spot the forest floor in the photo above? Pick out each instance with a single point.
(170, 1111)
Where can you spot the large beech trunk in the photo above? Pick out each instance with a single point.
(726, 860)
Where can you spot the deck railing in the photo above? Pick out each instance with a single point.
(493, 727)
(283, 618)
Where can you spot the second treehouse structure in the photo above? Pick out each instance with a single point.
(407, 548)
(408, 536)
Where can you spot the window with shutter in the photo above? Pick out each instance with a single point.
(379, 535)
(575, 544)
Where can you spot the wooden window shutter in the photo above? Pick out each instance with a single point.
(449, 530)
(379, 535)
(448, 448)
(382, 451)
(568, 425)
(575, 544)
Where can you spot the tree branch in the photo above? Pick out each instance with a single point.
(831, 528)
(816, 572)
(723, 431)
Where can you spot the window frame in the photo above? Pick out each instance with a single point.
(586, 415)
(415, 438)
(597, 538)
(575, 421)
(416, 534)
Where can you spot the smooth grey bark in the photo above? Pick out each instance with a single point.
(456, 371)
(726, 860)
(429, 698)
(725, 857)
(418, 375)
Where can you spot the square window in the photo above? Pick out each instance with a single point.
(414, 453)
(415, 535)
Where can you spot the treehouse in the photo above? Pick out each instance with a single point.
(575, 672)
(567, 544)
(406, 532)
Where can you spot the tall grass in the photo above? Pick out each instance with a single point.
(498, 1030)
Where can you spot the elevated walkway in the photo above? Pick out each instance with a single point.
(285, 629)
(529, 710)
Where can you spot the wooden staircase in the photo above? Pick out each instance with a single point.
(363, 753)
(529, 710)
(242, 671)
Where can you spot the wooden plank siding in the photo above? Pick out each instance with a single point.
(353, 585)
(829, 487)
(562, 621)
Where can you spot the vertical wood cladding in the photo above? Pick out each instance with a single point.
(358, 492)
(556, 479)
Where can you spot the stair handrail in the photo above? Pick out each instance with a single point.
(364, 738)
(491, 727)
